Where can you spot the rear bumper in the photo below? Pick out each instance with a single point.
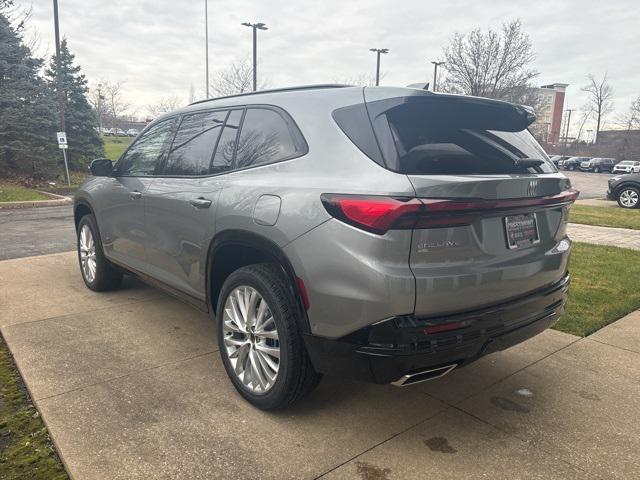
(386, 351)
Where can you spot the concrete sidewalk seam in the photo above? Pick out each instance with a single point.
(387, 439)
(58, 317)
(120, 377)
(510, 375)
(611, 345)
(527, 442)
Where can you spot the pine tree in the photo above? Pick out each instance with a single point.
(27, 120)
(85, 144)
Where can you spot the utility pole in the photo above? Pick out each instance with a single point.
(378, 52)
(206, 45)
(566, 130)
(435, 75)
(255, 27)
(61, 93)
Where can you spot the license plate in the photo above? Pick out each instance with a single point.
(522, 230)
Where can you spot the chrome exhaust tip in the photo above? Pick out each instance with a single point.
(423, 376)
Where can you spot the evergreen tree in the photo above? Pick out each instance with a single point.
(27, 117)
(85, 143)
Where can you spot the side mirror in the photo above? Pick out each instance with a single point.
(101, 167)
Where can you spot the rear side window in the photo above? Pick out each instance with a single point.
(429, 135)
(266, 137)
(226, 147)
(194, 144)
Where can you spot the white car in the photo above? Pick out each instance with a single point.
(132, 132)
(626, 166)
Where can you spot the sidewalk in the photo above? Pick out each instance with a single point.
(130, 385)
(615, 237)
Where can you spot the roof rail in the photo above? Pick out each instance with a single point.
(278, 90)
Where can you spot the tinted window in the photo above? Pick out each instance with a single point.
(265, 138)
(227, 143)
(193, 146)
(143, 157)
(454, 136)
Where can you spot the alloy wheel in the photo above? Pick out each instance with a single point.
(629, 198)
(251, 339)
(87, 254)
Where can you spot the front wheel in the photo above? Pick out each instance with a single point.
(628, 197)
(97, 272)
(260, 344)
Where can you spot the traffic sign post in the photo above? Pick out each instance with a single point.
(62, 145)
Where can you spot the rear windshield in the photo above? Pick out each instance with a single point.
(428, 135)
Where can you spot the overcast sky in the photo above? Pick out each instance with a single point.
(156, 47)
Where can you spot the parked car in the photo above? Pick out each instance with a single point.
(627, 166)
(108, 132)
(625, 189)
(132, 132)
(557, 160)
(385, 234)
(598, 164)
(120, 132)
(573, 163)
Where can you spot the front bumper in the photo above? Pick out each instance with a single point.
(388, 350)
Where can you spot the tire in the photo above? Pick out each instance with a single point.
(628, 197)
(99, 275)
(239, 347)
(572, 168)
(596, 170)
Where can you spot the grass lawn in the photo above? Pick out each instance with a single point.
(114, 146)
(605, 286)
(16, 193)
(25, 448)
(605, 216)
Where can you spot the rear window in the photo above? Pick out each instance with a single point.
(429, 135)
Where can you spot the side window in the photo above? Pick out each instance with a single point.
(265, 138)
(227, 143)
(143, 157)
(194, 143)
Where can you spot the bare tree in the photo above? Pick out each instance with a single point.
(493, 64)
(368, 80)
(587, 112)
(237, 78)
(164, 105)
(631, 118)
(600, 94)
(116, 105)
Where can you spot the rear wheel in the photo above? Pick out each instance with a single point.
(261, 347)
(629, 197)
(596, 170)
(97, 272)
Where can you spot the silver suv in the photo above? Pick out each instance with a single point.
(383, 234)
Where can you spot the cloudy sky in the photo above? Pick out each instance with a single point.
(156, 47)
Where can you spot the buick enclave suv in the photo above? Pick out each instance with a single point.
(383, 234)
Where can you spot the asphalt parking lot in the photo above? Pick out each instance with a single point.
(591, 185)
(130, 386)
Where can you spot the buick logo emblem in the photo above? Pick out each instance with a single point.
(532, 188)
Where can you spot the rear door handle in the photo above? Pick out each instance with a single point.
(200, 202)
(135, 195)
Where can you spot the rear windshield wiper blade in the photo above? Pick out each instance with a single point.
(527, 162)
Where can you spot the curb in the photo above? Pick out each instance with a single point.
(59, 200)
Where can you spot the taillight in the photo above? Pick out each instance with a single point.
(381, 214)
(371, 213)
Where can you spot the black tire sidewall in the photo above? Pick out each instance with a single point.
(624, 189)
(101, 262)
(287, 334)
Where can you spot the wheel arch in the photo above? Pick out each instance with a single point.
(80, 209)
(233, 249)
(626, 184)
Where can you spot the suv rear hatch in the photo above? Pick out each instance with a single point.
(495, 207)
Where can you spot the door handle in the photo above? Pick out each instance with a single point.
(135, 195)
(200, 202)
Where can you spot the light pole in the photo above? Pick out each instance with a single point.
(59, 87)
(435, 75)
(100, 98)
(378, 52)
(206, 45)
(566, 130)
(255, 27)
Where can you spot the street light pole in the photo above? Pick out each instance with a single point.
(435, 75)
(255, 27)
(378, 52)
(206, 44)
(61, 95)
(566, 130)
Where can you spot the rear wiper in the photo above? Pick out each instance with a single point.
(527, 162)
